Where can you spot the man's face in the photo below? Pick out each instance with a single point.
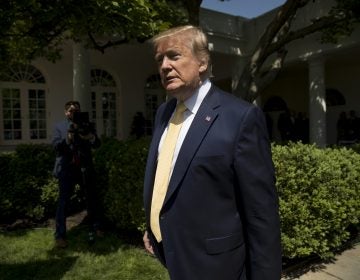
(69, 113)
(178, 67)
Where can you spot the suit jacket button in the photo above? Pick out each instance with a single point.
(162, 217)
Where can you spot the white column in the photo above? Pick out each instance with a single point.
(317, 102)
(81, 77)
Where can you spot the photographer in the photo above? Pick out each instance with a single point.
(73, 140)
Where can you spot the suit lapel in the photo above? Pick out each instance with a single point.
(201, 124)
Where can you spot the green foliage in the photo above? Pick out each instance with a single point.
(122, 166)
(6, 183)
(27, 187)
(347, 14)
(34, 28)
(318, 190)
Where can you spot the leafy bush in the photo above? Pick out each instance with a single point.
(318, 191)
(6, 183)
(27, 187)
(120, 166)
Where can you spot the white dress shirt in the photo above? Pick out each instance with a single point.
(192, 104)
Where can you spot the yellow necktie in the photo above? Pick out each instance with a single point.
(163, 169)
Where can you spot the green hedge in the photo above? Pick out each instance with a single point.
(318, 190)
(319, 197)
(27, 188)
(120, 166)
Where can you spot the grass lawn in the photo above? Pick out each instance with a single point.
(30, 254)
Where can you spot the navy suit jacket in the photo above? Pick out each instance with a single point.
(220, 215)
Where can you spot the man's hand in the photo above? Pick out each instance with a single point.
(147, 244)
(89, 137)
(70, 137)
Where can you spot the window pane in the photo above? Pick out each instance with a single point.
(17, 124)
(17, 114)
(32, 104)
(33, 134)
(112, 114)
(41, 114)
(7, 124)
(8, 135)
(32, 93)
(41, 94)
(42, 124)
(15, 93)
(6, 103)
(17, 134)
(42, 134)
(33, 124)
(37, 113)
(32, 114)
(7, 114)
(106, 101)
(16, 104)
(41, 104)
(6, 93)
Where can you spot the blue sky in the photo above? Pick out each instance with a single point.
(245, 8)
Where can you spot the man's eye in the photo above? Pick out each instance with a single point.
(174, 56)
(159, 60)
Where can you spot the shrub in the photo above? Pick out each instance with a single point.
(120, 166)
(318, 192)
(27, 187)
(6, 183)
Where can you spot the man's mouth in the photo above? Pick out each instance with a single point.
(170, 78)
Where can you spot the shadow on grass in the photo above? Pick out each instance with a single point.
(53, 269)
(111, 242)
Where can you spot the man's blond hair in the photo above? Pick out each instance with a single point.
(196, 40)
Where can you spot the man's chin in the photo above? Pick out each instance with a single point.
(173, 91)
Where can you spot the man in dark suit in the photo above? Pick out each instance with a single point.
(218, 216)
(73, 140)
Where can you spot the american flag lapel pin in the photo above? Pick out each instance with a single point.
(208, 118)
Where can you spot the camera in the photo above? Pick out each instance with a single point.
(83, 125)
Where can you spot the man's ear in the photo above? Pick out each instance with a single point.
(203, 67)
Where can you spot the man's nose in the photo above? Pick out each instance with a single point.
(165, 64)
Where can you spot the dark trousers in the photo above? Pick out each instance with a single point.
(67, 180)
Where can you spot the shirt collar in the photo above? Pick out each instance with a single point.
(193, 102)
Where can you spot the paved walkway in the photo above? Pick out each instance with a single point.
(344, 266)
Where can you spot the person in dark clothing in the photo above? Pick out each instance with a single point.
(138, 125)
(73, 140)
(301, 128)
(353, 126)
(342, 127)
(210, 200)
(286, 126)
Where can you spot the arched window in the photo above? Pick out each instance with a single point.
(103, 102)
(154, 96)
(23, 103)
(334, 97)
(275, 103)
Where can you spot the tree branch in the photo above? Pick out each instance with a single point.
(317, 25)
(108, 44)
